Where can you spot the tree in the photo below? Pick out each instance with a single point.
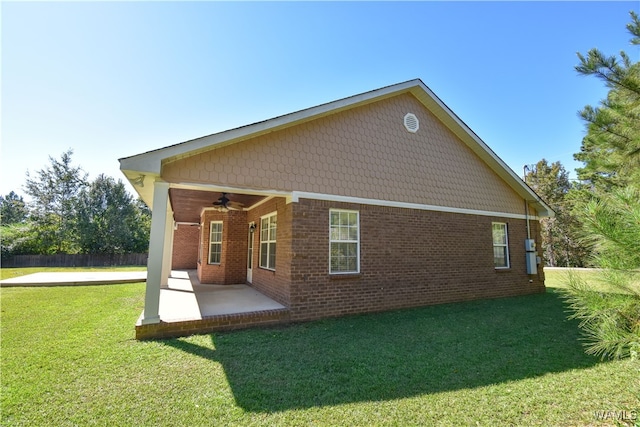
(610, 318)
(611, 148)
(610, 211)
(12, 209)
(20, 238)
(109, 222)
(54, 192)
(560, 234)
(143, 230)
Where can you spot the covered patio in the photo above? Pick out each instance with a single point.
(188, 307)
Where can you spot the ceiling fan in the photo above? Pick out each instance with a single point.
(223, 204)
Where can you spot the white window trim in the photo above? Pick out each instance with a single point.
(268, 242)
(357, 242)
(505, 245)
(216, 242)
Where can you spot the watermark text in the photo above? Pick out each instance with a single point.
(616, 415)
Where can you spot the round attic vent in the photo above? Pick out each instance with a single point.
(411, 122)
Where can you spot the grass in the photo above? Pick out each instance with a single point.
(559, 278)
(69, 358)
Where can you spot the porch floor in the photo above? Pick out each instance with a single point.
(187, 299)
(188, 307)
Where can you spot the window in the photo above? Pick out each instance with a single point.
(344, 242)
(500, 245)
(215, 242)
(268, 241)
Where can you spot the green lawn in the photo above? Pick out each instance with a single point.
(559, 278)
(69, 358)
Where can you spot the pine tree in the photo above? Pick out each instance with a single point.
(610, 211)
(12, 209)
(54, 190)
(611, 148)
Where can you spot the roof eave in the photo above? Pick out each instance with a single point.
(150, 163)
(478, 146)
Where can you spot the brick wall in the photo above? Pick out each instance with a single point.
(274, 284)
(408, 258)
(232, 269)
(234, 247)
(224, 322)
(185, 247)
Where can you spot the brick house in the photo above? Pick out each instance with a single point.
(379, 201)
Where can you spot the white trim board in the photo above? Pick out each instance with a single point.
(297, 195)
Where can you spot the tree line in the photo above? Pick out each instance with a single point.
(70, 214)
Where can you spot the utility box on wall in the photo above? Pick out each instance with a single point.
(531, 257)
(530, 245)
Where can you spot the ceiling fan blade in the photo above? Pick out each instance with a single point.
(235, 206)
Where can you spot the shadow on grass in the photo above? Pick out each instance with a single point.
(396, 354)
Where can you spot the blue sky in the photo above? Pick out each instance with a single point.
(114, 79)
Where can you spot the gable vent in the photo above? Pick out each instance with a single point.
(411, 122)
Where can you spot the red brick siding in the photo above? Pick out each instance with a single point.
(274, 284)
(407, 258)
(233, 260)
(235, 246)
(222, 322)
(185, 247)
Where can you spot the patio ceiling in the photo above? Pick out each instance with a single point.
(187, 204)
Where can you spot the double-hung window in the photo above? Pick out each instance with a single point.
(500, 245)
(344, 241)
(268, 241)
(215, 242)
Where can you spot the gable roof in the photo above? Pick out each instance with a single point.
(150, 163)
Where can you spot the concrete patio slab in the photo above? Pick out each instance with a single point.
(76, 278)
(186, 299)
(188, 307)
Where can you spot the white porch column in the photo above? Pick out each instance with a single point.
(159, 214)
(168, 249)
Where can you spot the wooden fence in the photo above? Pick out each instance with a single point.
(75, 260)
